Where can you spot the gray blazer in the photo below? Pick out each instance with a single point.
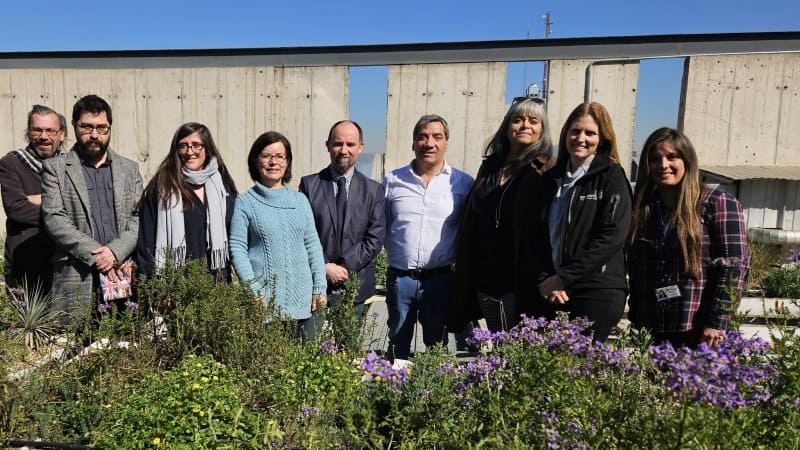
(67, 219)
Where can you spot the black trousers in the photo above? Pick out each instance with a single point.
(604, 307)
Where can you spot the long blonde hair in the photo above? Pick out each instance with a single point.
(686, 215)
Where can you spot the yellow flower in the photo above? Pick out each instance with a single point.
(204, 379)
(196, 386)
(157, 441)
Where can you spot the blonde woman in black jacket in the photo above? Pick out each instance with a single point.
(586, 222)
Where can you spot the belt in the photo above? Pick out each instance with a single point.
(419, 274)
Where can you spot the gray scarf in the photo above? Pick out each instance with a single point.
(170, 229)
(31, 158)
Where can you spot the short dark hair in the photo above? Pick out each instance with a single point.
(91, 104)
(358, 127)
(426, 119)
(269, 138)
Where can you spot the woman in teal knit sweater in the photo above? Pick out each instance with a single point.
(273, 241)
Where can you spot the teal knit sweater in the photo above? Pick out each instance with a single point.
(273, 240)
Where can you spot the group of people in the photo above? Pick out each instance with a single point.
(532, 234)
(543, 233)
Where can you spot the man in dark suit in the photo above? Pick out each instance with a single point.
(351, 224)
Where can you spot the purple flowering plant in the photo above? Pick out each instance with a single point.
(734, 374)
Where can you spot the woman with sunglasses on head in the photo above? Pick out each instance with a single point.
(687, 249)
(274, 241)
(493, 255)
(586, 222)
(186, 208)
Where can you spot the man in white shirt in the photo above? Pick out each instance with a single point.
(423, 207)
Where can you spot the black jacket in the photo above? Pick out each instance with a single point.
(28, 248)
(595, 227)
(463, 306)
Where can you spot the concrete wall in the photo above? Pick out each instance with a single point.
(737, 109)
(237, 104)
(471, 97)
(743, 109)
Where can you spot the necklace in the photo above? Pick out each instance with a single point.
(499, 208)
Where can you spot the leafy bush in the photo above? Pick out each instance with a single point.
(764, 257)
(197, 405)
(201, 316)
(544, 384)
(783, 282)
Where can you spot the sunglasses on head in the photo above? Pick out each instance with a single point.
(538, 100)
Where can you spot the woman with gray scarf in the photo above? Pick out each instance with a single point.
(185, 211)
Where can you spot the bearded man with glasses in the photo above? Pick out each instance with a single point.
(27, 245)
(89, 209)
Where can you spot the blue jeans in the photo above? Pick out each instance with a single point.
(408, 300)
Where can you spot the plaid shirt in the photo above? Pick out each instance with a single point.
(654, 261)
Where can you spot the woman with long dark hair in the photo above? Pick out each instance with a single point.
(186, 208)
(493, 258)
(687, 249)
(586, 222)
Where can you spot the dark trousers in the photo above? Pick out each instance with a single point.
(679, 339)
(604, 307)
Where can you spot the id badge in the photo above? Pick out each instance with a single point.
(666, 293)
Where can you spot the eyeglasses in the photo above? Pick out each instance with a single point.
(277, 157)
(183, 147)
(537, 100)
(102, 130)
(38, 131)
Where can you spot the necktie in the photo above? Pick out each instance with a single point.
(341, 207)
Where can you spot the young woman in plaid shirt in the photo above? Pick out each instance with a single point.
(687, 250)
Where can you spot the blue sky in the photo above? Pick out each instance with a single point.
(147, 24)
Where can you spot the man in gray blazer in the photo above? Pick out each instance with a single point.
(352, 246)
(89, 210)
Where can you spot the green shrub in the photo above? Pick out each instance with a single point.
(202, 316)
(783, 282)
(381, 267)
(764, 258)
(196, 405)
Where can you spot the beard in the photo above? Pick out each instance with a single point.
(92, 150)
(45, 149)
(343, 164)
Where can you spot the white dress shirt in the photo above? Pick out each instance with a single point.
(422, 222)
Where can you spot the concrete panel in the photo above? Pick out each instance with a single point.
(308, 102)
(406, 102)
(237, 104)
(231, 114)
(788, 141)
(469, 96)
(160, 93)
(743, 109)
(614, 85)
